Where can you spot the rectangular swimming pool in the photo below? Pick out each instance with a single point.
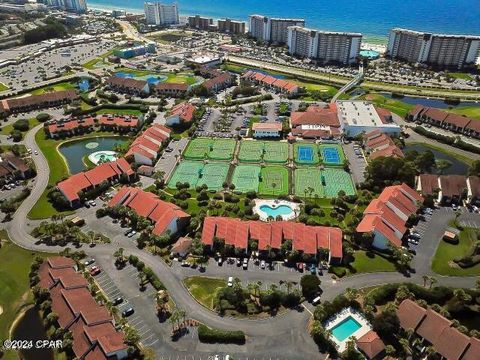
(345, 328)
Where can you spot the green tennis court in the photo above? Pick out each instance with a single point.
(308, 182)
(335, 180)
(246, 178)
(198, 148)
(273, 181)
(213, 175)
(332, 154)
(186, 172)
(275, 152)
(222, 149)
(305, 153)
(251, 151)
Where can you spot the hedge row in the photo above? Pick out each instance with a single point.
(251, 99)
(386, 293)
(151, 276)
(209, 335)
(450, 140)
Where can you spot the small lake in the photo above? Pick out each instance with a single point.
(30, 327)
(458, 167)
(74, 151)
(437, 103)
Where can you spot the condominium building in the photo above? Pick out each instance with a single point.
(78, 6)
(324, 46)
(199, 22)
(441, 50)
(231, 26)
(273, 30)
(157, 13)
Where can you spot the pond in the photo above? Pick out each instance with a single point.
(437, 103)
(30, 327)
(75, 151)
(458, 167)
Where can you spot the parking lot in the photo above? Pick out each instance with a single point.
(357, 162)
(168, 160)
(143, 302)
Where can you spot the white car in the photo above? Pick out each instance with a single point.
(230, 281)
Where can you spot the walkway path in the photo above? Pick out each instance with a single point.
(259, 331)
(354, 82)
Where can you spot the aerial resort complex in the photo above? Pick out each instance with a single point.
(227, 180)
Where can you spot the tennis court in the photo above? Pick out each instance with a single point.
(213, 175)
(308, 182)
(306, 153)
(198, 148)
(186, 172)
(251, 151)
(332, 154)
(222, 149)
(246, 178)
(275, 152)
(335, 180)
(273, 181)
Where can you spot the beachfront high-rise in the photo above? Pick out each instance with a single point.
(157, 13)
(199, 22)
(326, 47)
(439, 50)
(78, 6)
(231, 26)
(274, 30)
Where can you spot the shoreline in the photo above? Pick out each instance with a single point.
(373, 41)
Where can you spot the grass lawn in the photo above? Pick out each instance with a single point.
(183, 78)
(3, 87)
(447, 252)
(170, 36)
(464, 76)
(204, 289)
(56, 87)
(14, 282)
(470, 111)
(90, 65)
(366, 264)
(119, 112)
(398, 107)
(9, 128)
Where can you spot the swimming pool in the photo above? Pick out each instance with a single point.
(84, 85)
(99, 157)
(278, 210)
(152, 79)
(369, 54)
(345, 329)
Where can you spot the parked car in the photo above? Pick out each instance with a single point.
(300, 267)
(316, 301)
(262, 264)
(313, 269)
(88, 262)
(245, 263)
(220, 261)
(239, 261)
(230, 281)
(127, 312)
(117, 301)
(95, 270)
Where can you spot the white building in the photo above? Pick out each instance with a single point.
(157, 13)
(273, 30)
(324, 46)
(263, 130)
(358, 117)
(78, 6)
(451, 51)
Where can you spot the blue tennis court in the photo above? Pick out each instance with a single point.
(331, 155)
(305, 153)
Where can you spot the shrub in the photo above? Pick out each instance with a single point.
(209, 335)
(42, 117)
(310, 285)
(338, 271)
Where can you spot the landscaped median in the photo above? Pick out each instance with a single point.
(209, 335)
(204, 289)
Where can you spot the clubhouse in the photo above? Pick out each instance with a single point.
(167, 218)
(386, 216)
(316, 122)
(271, 235)
(91, 324)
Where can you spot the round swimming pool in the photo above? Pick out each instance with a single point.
(99, 157)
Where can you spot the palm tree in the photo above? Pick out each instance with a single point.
(425, 278)
(432, 281)
(256, 288)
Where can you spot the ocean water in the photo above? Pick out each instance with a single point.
(373, 18)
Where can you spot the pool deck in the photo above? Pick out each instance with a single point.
(341, 316)
(273, 204)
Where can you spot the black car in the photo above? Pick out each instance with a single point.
(127, 312)
(117, 301)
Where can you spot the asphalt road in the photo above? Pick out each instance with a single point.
(284, 336)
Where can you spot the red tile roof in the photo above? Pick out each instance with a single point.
(58, 262)
(148, 205)
(123, 121)
(183, 110)
(410, 314)
(267, 126)
(451, 344)
(53, 97)
(126, 83)
(432, 326)
(171, 86)
(72, 186)
(371, 344)
(70, 124)
(305, 238)
(473, 350)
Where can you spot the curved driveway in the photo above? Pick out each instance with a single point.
(292, 323)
